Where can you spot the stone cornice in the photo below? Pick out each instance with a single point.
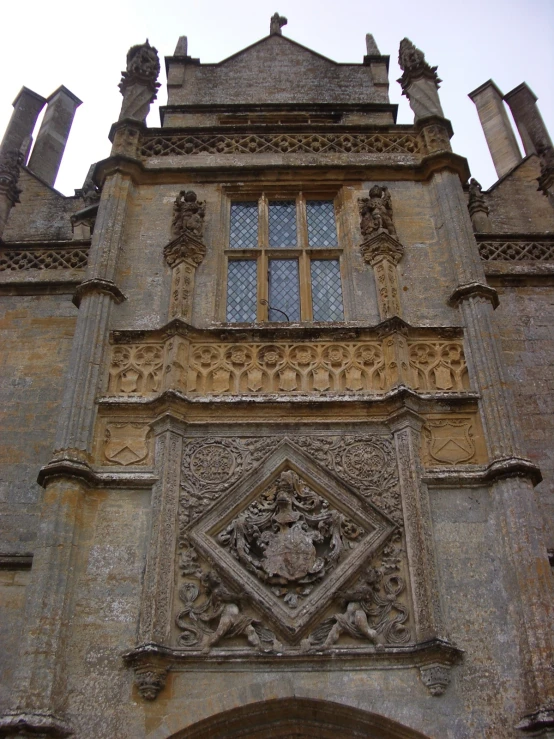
(482, 474)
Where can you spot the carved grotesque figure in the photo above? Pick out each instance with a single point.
(376, 213)
(410, 58)
(358, 604)
(277, 22)
(139, 84)
(188, 214)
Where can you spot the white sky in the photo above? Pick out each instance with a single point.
(83, 46)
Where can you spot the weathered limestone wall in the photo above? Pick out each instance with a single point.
(35, 333)
(290, 74)
(480, 615)
(43, 213)
(12, 601)
(525, 320)
(515, 204)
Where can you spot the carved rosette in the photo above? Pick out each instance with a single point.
(381, 249)
(185, 252)
(139, 85)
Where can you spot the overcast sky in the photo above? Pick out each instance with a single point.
(83, 46)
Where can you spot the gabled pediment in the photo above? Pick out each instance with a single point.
(273, 44)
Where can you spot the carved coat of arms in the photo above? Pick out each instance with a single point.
(126, 443)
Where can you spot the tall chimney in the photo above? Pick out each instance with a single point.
(51, 140)
(27, 106)
(496, 125)
(523, 104)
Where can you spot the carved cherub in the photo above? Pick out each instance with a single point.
(224, 605)
(188, 214)
(354, 620)
(376, 212)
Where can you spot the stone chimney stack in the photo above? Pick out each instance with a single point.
(18, 136)
(496, 127)
(523, 104)
(51, 140)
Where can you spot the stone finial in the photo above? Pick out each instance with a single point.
(182, 47)
(419, 81)
(277, 22)
(10, 162)
(371, 46)
(139, 85)
(478, 209)
(376, 213)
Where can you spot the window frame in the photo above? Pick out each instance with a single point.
(262, 253)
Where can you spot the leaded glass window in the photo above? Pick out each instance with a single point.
(284, 290)
(326, 290)
(322, 230)
(244, 225)
(282, 223)
(242, 290)
(283, 260)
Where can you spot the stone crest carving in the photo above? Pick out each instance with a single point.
(139, 85)
(283, 539)
(276, 537)
(449, 441)
(126, 443)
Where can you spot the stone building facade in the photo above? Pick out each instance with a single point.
(284, 376)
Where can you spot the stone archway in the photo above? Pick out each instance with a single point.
(297, 718)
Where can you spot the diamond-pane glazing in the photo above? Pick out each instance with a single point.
(244, 225)
(242, 290)
(282, 223)
(284, 290)
(322, 230)
(326, 290)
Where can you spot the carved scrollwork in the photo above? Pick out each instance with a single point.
(371, 610)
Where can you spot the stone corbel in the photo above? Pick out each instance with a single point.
(435, 677)
(150, 667)
(383, 252)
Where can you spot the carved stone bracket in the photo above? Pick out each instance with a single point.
(383, 253)
(150, 665)
(185, 253)
(435, 677)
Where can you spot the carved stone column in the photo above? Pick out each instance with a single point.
(419, 81)
(185, 253)
(512, 474)
(381, 249)
(155, 616)
(9, 192)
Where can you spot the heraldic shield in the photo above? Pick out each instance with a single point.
(288, 536)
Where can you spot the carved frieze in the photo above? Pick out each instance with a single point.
(346, 368)
(279, 143)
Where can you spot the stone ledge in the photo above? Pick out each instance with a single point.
(23, 724)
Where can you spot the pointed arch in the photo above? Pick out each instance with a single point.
(297, 718)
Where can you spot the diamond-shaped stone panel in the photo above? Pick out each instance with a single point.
(288, 536)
